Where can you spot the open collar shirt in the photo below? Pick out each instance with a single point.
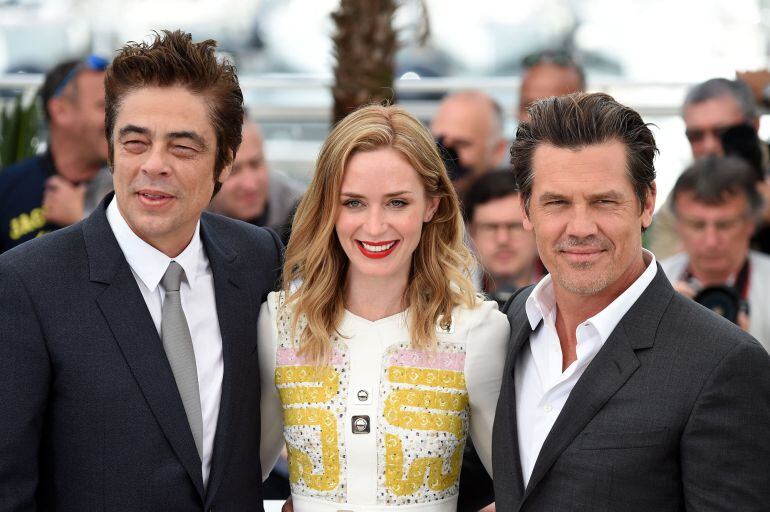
(148, 265)
(542, 388)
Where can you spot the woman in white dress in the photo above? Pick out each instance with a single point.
(377, 358)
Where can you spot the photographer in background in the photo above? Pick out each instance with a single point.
(716, 205)
(470, 124)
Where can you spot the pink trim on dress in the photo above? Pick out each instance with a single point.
(289, 357)
(426, 359)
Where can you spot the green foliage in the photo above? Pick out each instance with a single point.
(18, 130)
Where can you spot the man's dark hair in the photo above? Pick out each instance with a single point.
(172, 59)
(561, 58)
(713, 180)
(578, 120)
(53, 79)
(718, 87)
(495, 185)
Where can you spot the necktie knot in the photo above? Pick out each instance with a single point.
(173, 277)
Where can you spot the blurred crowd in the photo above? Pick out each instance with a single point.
(712, 235)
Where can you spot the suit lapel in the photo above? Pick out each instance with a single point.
(505, 439)
(237, 324)
(606, 374)
(126, 313)
(609, 370)
(506, 420)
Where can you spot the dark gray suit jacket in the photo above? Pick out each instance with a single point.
(672, 414)
(90, 415)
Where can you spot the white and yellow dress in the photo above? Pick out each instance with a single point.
(383, 426)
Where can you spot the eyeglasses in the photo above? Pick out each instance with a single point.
(558, 57)
(722, 226)
(90, 63)
(489, 230)
(695, 135)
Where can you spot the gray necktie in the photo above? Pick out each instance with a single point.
(177, 343)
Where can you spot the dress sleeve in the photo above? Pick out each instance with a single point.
(484, 362)
(271, 441)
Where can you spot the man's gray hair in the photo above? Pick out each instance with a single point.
(713, 180)
(718, 87)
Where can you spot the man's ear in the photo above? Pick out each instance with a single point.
(525, 221)
(225, 173)
(649, 206)
(60, 111)
(499, 152)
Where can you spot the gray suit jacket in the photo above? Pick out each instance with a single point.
(672, 414)
(90, 415)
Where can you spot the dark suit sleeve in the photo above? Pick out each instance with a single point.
(725, 447)
(24, 383)
(279, 262)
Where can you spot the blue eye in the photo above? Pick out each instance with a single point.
(352, 203)
(398, 203)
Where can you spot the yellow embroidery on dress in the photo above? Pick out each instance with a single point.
(306, 385)
(438, 480)
(427, 377)
(313, 401)
(413, 408)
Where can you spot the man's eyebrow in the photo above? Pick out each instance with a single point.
(132, 128)
(186, 134)
(613, 195)
(550, 196)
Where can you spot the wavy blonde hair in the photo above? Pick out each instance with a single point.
(441, 263)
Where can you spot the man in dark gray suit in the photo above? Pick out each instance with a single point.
(618, 393)
(128, 362)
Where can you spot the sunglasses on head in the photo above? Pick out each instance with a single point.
(558, 57)
(90, 63)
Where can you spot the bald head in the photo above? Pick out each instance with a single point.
(243, 194)
(545, 80)
(471, 122)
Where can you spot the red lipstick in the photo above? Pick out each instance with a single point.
(379, 253)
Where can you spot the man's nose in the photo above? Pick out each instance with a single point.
(711, 236)
(156, 163)
(711, 145)
(581, 223)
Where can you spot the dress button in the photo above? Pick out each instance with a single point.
(548, 408)
(360, 424)
(363, 395)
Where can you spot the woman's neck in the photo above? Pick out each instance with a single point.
(374, 298)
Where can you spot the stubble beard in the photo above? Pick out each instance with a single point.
(584, 278)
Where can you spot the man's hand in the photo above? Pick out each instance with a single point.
(287, 507)
(757, 81)
(63, 201)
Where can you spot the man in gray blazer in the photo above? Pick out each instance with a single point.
(128, 362)
(618, 393)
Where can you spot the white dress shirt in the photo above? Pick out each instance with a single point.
(542, 388)
(198, 303)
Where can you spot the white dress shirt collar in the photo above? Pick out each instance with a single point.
(541, 304)
(148, 263)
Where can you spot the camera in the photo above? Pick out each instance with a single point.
(722, 300)
(454, 167)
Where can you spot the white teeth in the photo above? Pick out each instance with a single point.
(377, 248)
(153, 196)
